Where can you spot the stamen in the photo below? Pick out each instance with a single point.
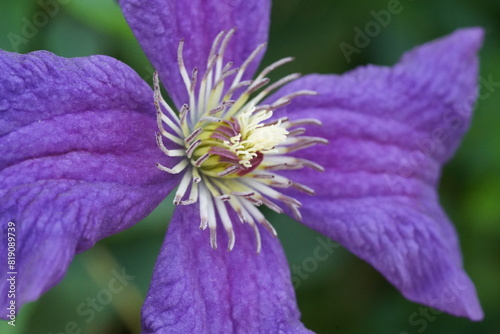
(293, 144)
(242, 84)
(223, 153)
(210, 119)
(262, 176)
(280, 83)
(192, 147)
(230, 147)
(183, 113)
(299, 93)
(256, 85)
(227, 171)
(182, 187)
(280, 104)
(167, 152)
(169, 122)
(302, 121)
(225, 74)
(212, 223)
(201, 159)
(227, 69)
(221, 107)
(204, 198)
(270, 204)
(192, 136)
(260, 217)
(158, 97)
(282, 121)
(224, 197)
(296, 132)
(303, 188)
(269, 89)
(225, 41)
(257, 235)
(166, 134)
(226, 222)
(276, 180)
(266, 107)
(177, 168)
(284, 162)
(249, 219)
(254, 201)
(215, 43)
(247, 62)
(193, 194)
(182, 68)
(274, 66)
(196, 175)
(243, 194)
(194, 77)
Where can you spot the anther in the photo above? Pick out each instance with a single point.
(201, 159)
(192, 136)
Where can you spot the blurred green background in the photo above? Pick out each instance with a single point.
(344, 294)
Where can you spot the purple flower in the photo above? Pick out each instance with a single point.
(87, 149)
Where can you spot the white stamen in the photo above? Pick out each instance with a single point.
(166, 134)
(260, 217)
(284, 162)
(182, 68)
(157, 97)
(193, 194)
(299, 122)
(177, 168)
(186, 180)
(229, 146)
(167, 152)
(250, 220)
(274, 66)
(247, 62)
(226, 222)
(194, 77)
(204, 198)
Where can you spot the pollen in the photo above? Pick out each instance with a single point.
(255, 137)
(231, 146)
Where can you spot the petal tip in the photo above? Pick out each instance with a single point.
(470, 38)
(461, 45)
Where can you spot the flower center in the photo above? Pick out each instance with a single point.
(237, 146)
(230, 145)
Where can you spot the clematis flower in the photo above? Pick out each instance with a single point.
(88, 149)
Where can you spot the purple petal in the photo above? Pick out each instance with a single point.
(77, 160)
(390, 131)
(159, 25)
(196, 289)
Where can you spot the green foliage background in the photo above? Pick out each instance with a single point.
(344, 294)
